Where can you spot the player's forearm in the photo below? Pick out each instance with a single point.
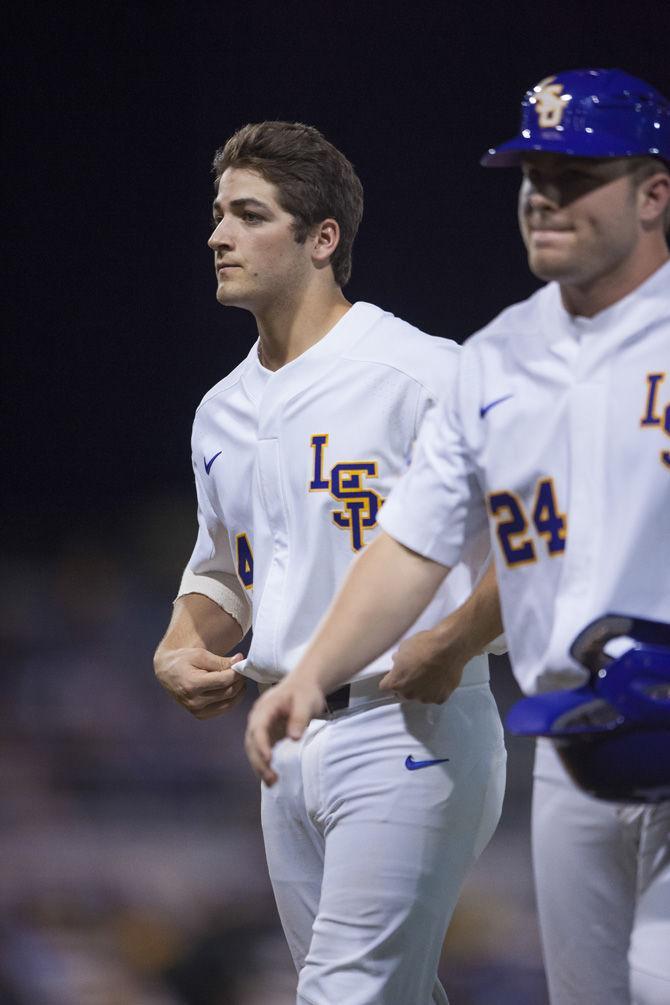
(198, 622)
(384, 592)
(476, 623)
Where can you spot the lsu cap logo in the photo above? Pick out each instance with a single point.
(589, 113)
(549, 103)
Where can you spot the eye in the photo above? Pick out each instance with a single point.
(250, 217)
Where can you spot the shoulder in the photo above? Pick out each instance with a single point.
(518, 319)
(395, 344)
(226, 385)
(222, 405)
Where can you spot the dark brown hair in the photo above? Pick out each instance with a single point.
(314, 180)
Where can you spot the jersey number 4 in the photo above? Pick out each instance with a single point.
(512, 524)
(245, 561)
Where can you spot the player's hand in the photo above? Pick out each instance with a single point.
(202, 682)
(284, 710)
(427, 667)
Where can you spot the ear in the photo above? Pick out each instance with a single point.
(654, 197)
(324, 239)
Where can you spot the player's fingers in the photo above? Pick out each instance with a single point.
(214, 685)
(389, 681)
(219, 678)
(259, 749)
(269, 776)
(219, 707)
(444, 695)
(216, 680)
(199, 691)
(301, 711)
(266, 725)
(398, 682)
(297, 722)
(228, 662)
(237, 685)
(212, 662)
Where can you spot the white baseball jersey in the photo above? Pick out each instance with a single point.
(558, 435)
(287, 497)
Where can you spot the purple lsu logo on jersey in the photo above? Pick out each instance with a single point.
(652, 417)
(360, 505)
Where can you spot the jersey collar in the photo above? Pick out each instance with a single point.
(623, 319)
(301, 371)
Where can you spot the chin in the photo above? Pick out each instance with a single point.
(226, 297)
(550, 267)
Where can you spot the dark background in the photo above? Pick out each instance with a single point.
(133, 870)
(113, 113)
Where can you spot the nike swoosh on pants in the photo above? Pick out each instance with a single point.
(413, 765)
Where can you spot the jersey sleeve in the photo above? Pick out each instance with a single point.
(437, 506)
(211, 568)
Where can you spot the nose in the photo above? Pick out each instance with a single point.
(543, 194)
(544, 199)
(221, 236)
(540, 195)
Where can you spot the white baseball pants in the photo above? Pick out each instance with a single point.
(366, 857)
(602, 874)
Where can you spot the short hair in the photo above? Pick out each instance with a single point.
(314, 180)
(644, 166)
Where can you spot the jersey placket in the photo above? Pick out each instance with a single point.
(270, 506)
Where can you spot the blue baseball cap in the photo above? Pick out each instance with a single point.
(589, 113)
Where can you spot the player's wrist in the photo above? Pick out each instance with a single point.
(321, 668)
(456, 637)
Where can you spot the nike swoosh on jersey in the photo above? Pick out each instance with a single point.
(208, 463)
(413, 765)
(492, 404)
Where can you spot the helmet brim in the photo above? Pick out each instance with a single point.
(536, 715)
(596, 145)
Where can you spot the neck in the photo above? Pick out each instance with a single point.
(288, 329)
(589, 299)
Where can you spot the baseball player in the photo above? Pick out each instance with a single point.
(384, 805)
(558, 437)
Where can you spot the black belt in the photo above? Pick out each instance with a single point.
(337, 700)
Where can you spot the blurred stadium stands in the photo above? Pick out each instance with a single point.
(132, 863)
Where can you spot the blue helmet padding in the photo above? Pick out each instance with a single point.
(589, 113)
(588, 647)
(629, 682)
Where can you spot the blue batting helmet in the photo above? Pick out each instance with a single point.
(589, 113)
(612, 734)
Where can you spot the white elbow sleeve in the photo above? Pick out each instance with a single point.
(224, 588)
